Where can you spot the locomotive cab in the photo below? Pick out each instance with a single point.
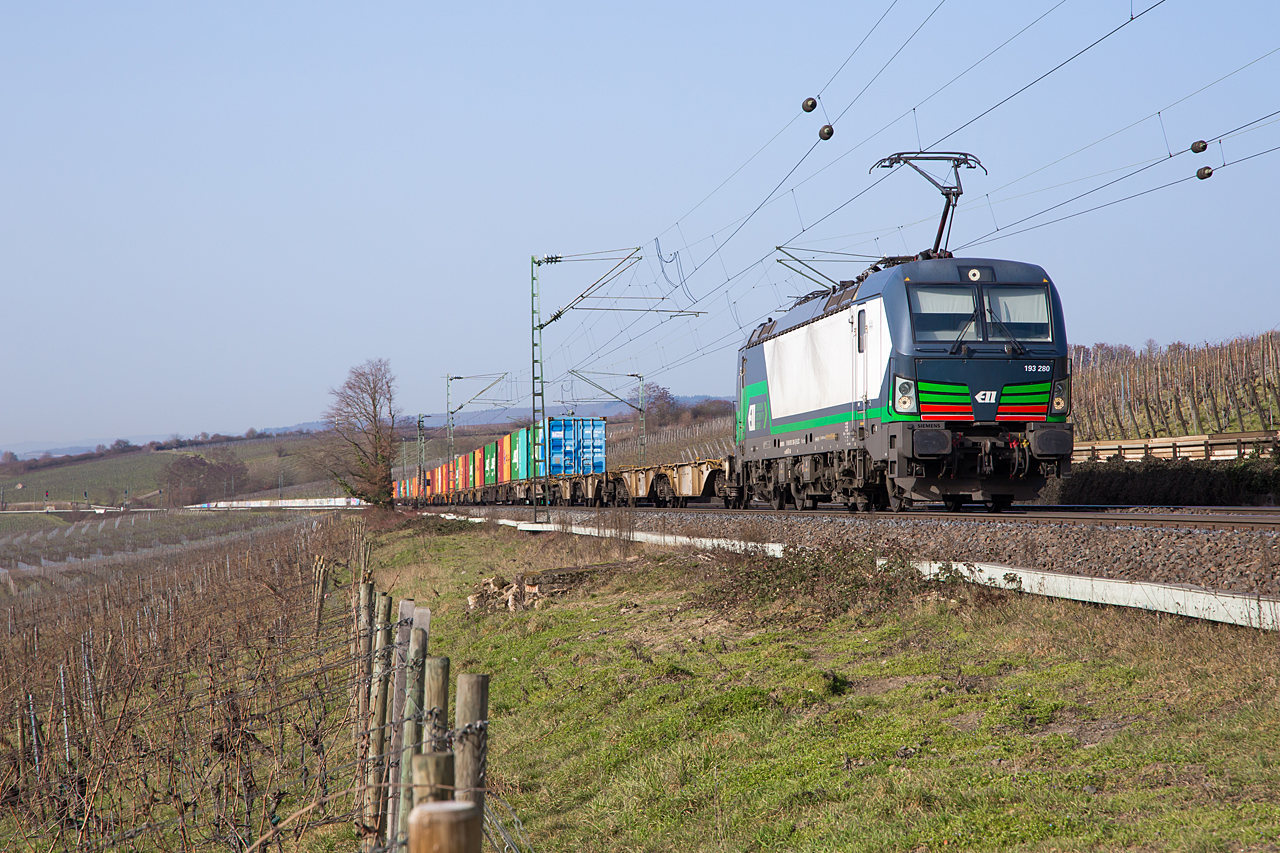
(939, 379)
(980, 389)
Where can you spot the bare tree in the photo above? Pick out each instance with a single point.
(358, 448)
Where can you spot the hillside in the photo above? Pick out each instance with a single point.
(142, 472)
(1118, 393)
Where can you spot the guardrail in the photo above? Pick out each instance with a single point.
(1219, 446)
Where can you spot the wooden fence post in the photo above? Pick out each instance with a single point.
(20, 723)
(446, 827)
(364, 661)
(422, 619)
(435, 703)
(321, 577)
(377, 731)
(411, 731)
(432, 777)
(471, 747)
(399, 661)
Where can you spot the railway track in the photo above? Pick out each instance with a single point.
(1260, 519)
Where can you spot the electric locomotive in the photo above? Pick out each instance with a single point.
(929, 378)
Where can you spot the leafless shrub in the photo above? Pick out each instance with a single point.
(829, 580)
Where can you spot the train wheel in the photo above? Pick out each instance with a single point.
(779, 499)
(897, 502)
(954, 504)
(999, 503)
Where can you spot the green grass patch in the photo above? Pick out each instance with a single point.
(676, 702)
(19, 523)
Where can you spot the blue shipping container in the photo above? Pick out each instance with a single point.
(573, 446)
(589, 439)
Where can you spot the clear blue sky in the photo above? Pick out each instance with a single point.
(209, 212)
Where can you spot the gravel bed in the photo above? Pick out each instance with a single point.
(1238, 561)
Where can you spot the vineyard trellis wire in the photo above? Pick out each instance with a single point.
(179, 703)
(1178, 390)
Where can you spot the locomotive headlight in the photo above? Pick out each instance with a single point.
(904, 395)
(1061, 404)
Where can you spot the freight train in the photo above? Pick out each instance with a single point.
(926, 379)
(520, 467)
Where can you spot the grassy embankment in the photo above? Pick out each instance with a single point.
(12, 523)
(679, 701)
(267, 460)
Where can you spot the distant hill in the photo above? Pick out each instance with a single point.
(36, 449)
(309, 426)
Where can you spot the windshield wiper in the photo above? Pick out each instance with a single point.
(1017, 344)
(960, 337)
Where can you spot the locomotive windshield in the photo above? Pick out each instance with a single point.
(1023, 312)
(945, 312)
(948, 313)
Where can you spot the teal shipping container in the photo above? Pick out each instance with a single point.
(520, 454)
(538, 451)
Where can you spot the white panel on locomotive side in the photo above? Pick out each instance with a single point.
(808, 368)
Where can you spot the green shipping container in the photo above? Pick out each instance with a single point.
(491, 463)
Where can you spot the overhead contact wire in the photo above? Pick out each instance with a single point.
(1060, 65)
(891, 59)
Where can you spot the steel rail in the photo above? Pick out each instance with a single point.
(1242, 518)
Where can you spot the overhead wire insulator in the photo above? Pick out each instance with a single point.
(809, 105)
(1204, 172)
(1199, 147)
(826, 132)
